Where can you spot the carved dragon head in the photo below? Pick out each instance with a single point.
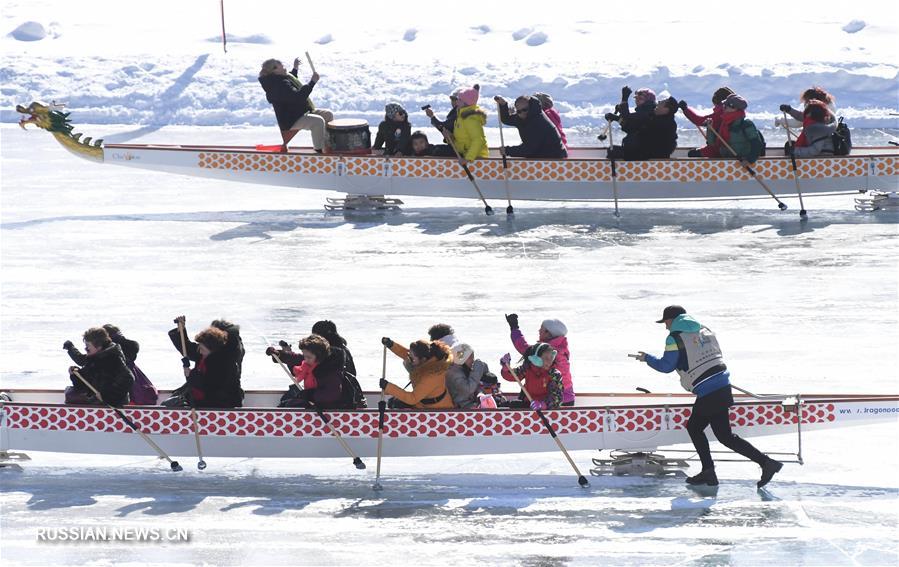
(49, 117)
(44, 116)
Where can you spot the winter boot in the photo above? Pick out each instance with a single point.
(706, 477)
(769, 469)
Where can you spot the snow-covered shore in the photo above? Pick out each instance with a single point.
(167, 67)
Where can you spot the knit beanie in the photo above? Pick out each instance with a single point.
(736, 101)
(391, 110)
(469, 97)
(555, 327)
(461, 352)
(721, 94)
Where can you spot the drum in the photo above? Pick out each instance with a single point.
(348, 136)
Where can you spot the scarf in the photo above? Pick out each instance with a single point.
(303, 373)
(197, 394)
(717, 113)
(728, 118)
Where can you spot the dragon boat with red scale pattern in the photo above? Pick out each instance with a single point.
(38, 420)
(586, 175)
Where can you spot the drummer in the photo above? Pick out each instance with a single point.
(293, 107)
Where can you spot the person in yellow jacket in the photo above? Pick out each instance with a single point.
(468, 129)
(430, 361)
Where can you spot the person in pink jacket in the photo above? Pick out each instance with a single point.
(546, 102)
(552, 332)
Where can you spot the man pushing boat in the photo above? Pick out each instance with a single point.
(692, 349)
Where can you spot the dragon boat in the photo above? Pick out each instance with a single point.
(586, 175)
(38, 420)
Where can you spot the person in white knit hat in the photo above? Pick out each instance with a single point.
(463, 378)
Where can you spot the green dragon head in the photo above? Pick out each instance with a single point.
(48, 117)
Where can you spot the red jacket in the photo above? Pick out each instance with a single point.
(712, 144)
(542, 385)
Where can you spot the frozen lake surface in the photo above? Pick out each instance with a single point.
(798, 308)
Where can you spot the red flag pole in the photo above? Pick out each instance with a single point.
(224, 37)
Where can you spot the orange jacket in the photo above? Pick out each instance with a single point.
(428, 381)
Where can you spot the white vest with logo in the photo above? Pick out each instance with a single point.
(704, 358)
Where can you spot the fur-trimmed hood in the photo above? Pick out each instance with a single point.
(473, 110)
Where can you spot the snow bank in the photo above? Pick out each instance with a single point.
(128, 78)
(29, 31)
(537, 38)
(518, 35)
(854, 26)
(219, 89)
(258, 38)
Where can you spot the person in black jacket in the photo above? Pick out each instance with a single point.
(443, 126)
(650, 128)
(328, 329)
(214, 381)
(394, 132)
(129, 348)
(234, 346)
(290, 99)
(539, 136)
(103, 366)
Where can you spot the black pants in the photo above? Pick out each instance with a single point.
(443, 150)
(714, 410)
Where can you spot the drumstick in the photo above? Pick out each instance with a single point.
(309, 59)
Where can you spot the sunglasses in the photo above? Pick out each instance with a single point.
(520, 110)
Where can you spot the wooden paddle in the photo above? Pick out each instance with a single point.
(162, 454)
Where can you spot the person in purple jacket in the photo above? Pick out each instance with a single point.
(692, 349)
(552, 332)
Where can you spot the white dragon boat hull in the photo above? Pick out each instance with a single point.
(36, 420)
(586, 175)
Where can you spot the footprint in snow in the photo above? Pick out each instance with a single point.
(410, 34)
(482, 28)
(854, 26)
(522, 33)
(535, 39)
(325, 39)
